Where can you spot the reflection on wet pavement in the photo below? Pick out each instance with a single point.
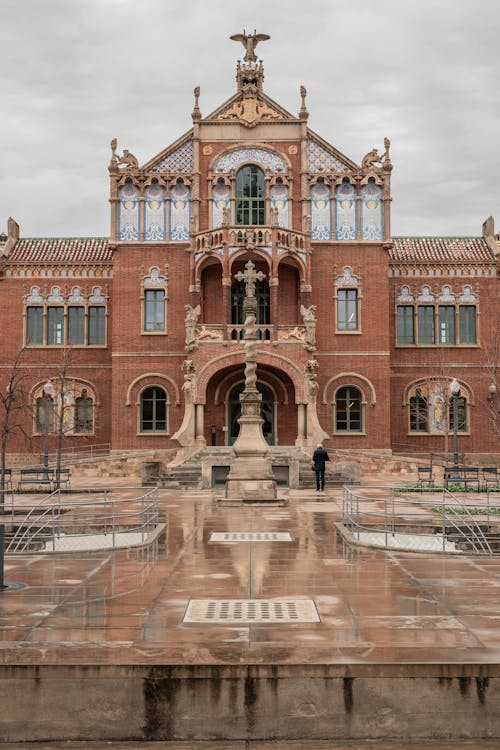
(128, 606)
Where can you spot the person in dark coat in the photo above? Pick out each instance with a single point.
(320, 457)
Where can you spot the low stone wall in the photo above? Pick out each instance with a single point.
(272, 702)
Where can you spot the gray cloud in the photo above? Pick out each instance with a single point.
(76, 73)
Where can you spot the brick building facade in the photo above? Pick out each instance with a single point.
(360, 332)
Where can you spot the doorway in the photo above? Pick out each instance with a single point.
(267, 412)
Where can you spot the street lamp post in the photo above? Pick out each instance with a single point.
(48, 389)
(455, 393)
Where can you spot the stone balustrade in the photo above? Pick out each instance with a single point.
(250, 237)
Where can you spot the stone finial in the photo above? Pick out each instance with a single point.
(196, 113)
(303, 114)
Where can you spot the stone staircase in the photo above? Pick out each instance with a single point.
(209, 468)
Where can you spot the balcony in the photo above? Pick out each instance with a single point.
(207, 333)
(244, 237)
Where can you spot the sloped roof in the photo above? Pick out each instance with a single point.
(61, 250)
(440, 249)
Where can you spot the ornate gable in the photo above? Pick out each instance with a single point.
(177, 158)
(322, 157)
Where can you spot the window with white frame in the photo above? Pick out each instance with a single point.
(445, 319)
(65, 320)
(347, 297)
(154, 299)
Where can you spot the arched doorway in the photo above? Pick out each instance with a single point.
(267, 412)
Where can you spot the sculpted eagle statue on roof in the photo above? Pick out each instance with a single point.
(250, 41)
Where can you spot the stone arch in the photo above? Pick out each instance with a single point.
(253, 153)
(277, 386)
(156, 378)
(233, 359)
(351, 375)
(253, 255)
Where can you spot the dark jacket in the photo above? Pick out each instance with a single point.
(320, 457)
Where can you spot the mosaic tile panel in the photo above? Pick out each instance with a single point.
(180, 160)
(128, 215)
(154, 213)
(345, 211)
(266, 159)
(321, 214)
(221, 195)
(179, 212)
(319, 159)
(279, 200)
(371, 212)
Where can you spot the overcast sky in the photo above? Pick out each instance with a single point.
(76, 73)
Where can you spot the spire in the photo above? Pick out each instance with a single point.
(250, 72)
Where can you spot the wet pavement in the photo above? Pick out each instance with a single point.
(374, 607)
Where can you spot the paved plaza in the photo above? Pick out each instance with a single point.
(373, 606)
(423, 615)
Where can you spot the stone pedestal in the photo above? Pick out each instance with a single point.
(251, 478)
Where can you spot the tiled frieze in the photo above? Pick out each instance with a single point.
(266, 159)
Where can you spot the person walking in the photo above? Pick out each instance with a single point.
(320, 457)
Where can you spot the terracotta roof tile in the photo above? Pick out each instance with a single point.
(440, 249)
(61, 250)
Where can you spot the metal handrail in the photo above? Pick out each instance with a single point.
(356, 508)
(138, 514)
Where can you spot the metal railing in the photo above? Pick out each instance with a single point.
(109, 518)
(80, 453)
(388, 518)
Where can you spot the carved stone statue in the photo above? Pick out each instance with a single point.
(192, 315)
(371, 159)
(128, 160)
(250, 41)
(387, 145)
(309, 318)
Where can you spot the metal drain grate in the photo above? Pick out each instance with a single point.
(251, 610)
(250, 536)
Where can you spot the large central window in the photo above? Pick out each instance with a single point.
(250, 196)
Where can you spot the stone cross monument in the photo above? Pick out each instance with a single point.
(250, 478)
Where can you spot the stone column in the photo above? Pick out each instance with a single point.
(251, 477)
(200, 424)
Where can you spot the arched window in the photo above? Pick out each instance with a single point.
(419, 410)
(153, 410)
(84, 413)
(250, 196)
(348, 410)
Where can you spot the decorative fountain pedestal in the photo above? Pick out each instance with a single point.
(250, 479)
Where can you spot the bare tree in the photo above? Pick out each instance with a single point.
(14, 405)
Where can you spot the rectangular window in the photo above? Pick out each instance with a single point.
(426, 324)
(467, 323)
(55, 326)
(447, 324)
(76, 325)
(405, 324)
(154, 310)
(97, 321)
(347, 310)
(34, 326)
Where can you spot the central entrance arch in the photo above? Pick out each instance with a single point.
(267, 412)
